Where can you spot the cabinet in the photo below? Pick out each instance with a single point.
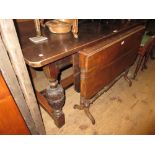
(11, 120)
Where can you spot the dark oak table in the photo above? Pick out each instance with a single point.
(59, 51)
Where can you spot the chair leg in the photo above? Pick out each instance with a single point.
(140, 59)
(144, 66)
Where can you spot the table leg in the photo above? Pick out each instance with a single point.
(55, 93)
(84, 105)
(76, 72)
(146, 57)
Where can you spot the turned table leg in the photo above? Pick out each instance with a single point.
(55, 93)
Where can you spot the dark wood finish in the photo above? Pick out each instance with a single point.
(104, 62)
(76, 71)
(11, 120)
(85, 103)
(65, 62)
(52, 99)
(43, 102)
(56, 52)
(51, 71)
(55, 93)
(67, 81)
(42, 99)
(61, 45)
(143, 55)
(59, 121)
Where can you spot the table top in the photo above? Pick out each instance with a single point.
(59, 46)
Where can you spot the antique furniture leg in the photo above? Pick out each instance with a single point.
(84, 105)
(140, 59)
(55, 93)
(152, 43)
(127, 78)
(146, 57)
(144, 53)
(76, 72)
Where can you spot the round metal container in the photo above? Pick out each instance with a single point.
(58, 26)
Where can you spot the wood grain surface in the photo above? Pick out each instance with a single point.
(106, 60)
(11, 120)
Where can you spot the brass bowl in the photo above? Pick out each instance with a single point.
(69, 21)
(58, 26)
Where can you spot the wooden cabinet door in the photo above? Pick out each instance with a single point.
(11, 120)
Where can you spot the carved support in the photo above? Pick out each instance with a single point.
(84, 105)
(55, 93)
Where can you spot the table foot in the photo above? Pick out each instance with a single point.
(56, 99)
(59, 121)
(87, 112)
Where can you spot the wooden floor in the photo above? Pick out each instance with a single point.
(121, 110)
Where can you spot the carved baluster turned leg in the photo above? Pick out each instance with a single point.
(55, 93)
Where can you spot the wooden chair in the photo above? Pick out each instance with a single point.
(143, 54)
